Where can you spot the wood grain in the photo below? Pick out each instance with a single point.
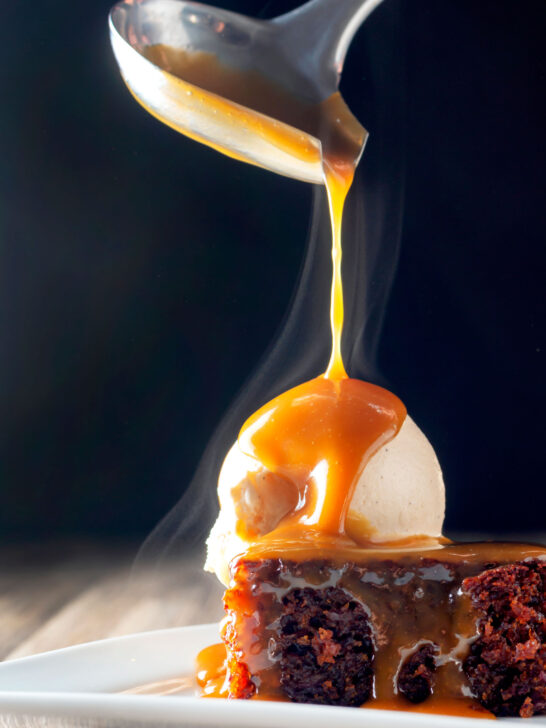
(75, 594)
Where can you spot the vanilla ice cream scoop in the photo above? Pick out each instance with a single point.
(399, 494)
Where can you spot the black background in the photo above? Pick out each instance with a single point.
(143, 276)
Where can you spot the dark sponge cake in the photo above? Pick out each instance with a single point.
(325, 648)
(392, 632)
(506, 666)
(416, 675)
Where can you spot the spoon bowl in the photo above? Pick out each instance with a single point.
(299, 56)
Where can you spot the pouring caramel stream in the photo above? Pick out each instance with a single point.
(265, 108)
(320, 434)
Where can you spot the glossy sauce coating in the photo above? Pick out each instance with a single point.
(319, 436)
(211, 671)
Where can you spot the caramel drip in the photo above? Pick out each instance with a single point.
(248, 99)
(320, 436)
(337, 187)
(211, 671)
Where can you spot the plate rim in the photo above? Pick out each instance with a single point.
(206, 712)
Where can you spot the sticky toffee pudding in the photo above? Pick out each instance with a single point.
(341, 588)
(456, 629)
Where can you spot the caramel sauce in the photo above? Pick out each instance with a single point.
(320, 435)
(264, 108)
(211, 671)
(303, 546)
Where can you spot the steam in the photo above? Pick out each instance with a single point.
(371, 241)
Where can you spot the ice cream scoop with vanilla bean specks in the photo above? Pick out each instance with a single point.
(399, 494)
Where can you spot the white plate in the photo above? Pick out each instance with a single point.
(80, 686)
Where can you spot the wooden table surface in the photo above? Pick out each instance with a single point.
(62, 594)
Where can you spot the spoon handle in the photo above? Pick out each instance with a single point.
(324, 29)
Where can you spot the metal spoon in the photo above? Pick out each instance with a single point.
(302, 51)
